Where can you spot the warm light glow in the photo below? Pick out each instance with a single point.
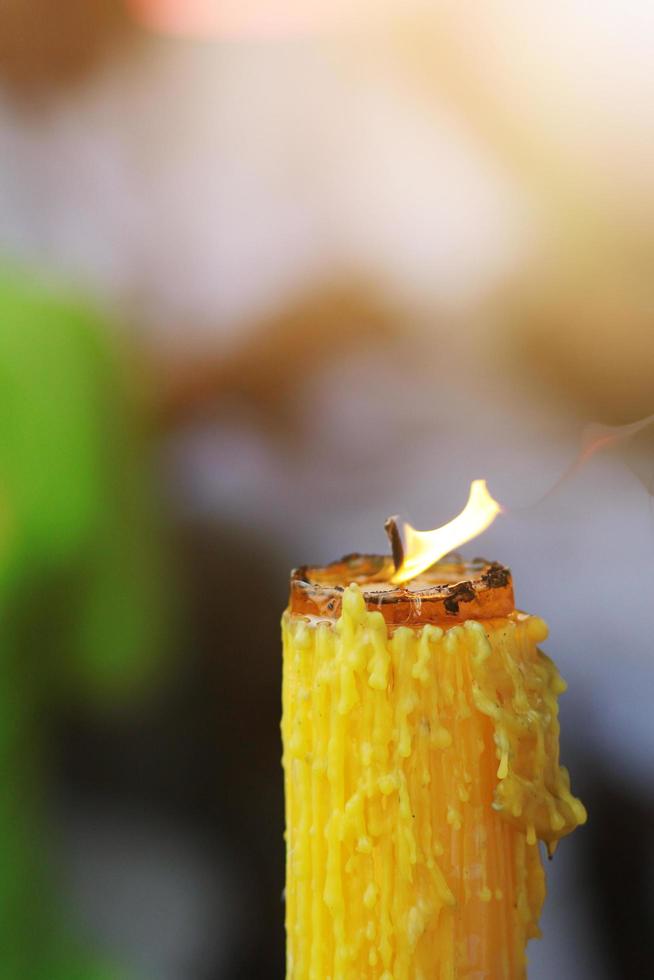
(237, 18)
(423, 548)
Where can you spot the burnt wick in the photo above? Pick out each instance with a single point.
(394, 536)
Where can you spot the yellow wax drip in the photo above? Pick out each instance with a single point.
(421, 767)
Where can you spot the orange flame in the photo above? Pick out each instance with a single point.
(423, 548)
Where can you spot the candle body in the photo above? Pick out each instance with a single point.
(421, 767)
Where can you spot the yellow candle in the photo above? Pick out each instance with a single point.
(421, 769)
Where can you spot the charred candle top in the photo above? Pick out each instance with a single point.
(450, 592)
(424, 581)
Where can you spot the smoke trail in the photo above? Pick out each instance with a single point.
(635, 440)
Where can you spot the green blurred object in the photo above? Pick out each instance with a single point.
(81, 590)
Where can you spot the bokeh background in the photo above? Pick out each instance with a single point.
(271, 272)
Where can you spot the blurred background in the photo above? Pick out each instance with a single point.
(271, 272)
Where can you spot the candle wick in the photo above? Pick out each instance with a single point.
(394, 536)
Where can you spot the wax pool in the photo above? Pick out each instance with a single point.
(421, 769)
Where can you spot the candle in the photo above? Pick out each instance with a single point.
(421, 760)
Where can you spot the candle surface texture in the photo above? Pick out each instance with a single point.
(421, 769)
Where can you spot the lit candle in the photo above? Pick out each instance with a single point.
(421, 767)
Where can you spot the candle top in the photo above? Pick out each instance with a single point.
(449, 592)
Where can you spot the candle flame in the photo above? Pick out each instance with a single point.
(423, 548)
